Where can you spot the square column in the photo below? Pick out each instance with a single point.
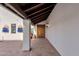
(26, 35)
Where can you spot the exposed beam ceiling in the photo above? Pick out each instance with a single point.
(41, 14)
(37, 6)
(35, 22)
(37, 12)
(39, 19)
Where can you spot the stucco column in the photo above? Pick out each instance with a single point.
(26, 35)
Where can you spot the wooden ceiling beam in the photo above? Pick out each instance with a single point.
(34, 7)
(39, 21)
(41, 14)
(43, 17)
(16, 9)
(39, 11)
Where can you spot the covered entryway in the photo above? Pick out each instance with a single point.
(35, 13)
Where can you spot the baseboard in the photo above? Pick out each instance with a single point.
(53, 46)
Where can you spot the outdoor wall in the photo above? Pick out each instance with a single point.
(63, 29)
(7, 18)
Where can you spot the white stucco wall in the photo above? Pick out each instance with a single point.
(63, 30)
(7, 18)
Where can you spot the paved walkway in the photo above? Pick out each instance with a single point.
(40, 47)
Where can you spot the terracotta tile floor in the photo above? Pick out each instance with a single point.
(40, 47)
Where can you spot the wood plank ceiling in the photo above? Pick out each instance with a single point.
(36, 12)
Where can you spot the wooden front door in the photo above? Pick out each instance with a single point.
(41, 31)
